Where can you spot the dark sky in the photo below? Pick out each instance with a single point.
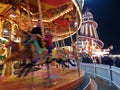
(107, 14)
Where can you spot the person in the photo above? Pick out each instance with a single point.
(49, 45)
(37, 29)
(117, 62)
(48, 41)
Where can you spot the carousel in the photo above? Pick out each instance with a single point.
(28, 58)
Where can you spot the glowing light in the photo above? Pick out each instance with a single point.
(5, 30)
(13, 15)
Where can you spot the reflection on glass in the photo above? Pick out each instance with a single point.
(6, 29)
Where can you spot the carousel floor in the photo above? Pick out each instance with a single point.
(39, 81)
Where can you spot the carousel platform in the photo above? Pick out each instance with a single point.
(60, 79)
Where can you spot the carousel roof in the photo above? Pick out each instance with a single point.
(57, 15)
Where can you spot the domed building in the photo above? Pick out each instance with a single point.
(88, 40)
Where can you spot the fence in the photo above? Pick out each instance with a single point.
(111, 74)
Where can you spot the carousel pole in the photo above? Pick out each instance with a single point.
(71, 39)
(40, 17)
(57, 42)
(29, 18)
(42, 28)
(0, 26)
(77, 58)
(63, 42)
(20, 19)
(70, 33)
(20, 29)
(29, 25)
(76, 50)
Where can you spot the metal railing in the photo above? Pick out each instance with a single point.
(111, 74)
(85, 83)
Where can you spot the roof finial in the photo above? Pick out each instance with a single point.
(87, 9)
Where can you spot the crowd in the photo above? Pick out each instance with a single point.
(107, 60)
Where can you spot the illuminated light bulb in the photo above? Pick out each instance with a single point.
(13, 14)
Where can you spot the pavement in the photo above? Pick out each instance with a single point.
(103, 84)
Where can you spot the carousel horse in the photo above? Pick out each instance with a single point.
(17, 52)
(63, 62)
(63, 58)
(14, 50)
(59, 60)
(26, 50)
(36, 54)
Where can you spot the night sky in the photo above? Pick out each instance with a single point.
(107, 14)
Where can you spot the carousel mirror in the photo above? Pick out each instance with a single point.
(6, 29)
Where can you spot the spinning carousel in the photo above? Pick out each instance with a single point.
(45, 71)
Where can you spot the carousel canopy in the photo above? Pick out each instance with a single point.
(57, 16)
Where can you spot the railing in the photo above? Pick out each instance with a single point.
(115, 76)
(85, 84)
(111, 74)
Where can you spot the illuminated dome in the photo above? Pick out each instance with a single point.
(87, 16)
(88, 38)
(89, 26)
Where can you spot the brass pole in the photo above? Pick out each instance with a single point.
(40, 17)
(28, 12)
(77, 58)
